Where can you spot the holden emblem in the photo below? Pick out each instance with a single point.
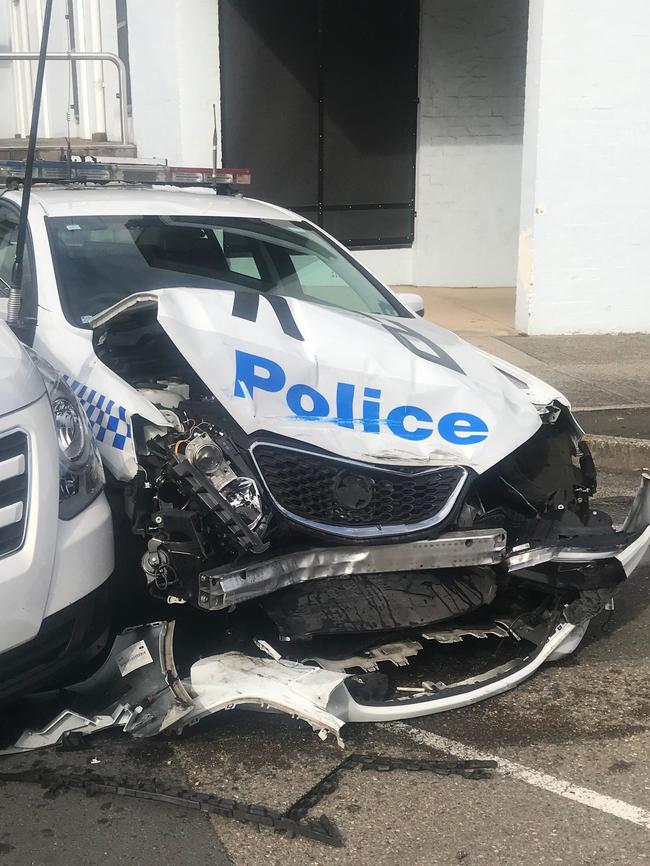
(353, 492)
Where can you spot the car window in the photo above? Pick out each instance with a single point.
(318, 281)
(8, 235)
(241, 254)
(8, 230)
(99, 261)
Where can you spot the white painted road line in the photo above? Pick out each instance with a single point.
(618, 808)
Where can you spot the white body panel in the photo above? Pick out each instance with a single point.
(340, 347)
(25, 575)
(85, 556)
(20, 382)
(75, 357)
(59, 562)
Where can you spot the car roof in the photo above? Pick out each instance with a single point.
(70, 200)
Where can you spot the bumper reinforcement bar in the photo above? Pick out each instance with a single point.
(221, 587)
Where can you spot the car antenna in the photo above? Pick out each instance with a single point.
(215, 146)
(68, 157)
(15, 292)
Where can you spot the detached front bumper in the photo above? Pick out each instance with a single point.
(629, 546)
(561, 641)
(325, 698)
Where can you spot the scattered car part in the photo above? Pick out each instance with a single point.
(293, 821)
(456, 635)
(321, 830)
(470, 769)
(136, 689)
(234, 679)
(66, 724)
(141, 667)
(398, 653)
(465, 692)
(266, 647)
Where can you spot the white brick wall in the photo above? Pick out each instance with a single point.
(174, 78)
(472, 71)
(585, 230)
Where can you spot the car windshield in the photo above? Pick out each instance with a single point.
(100, 260)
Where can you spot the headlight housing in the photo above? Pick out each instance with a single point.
(81, 475)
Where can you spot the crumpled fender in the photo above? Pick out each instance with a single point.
(109, 402)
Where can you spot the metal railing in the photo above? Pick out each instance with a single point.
(71, 56)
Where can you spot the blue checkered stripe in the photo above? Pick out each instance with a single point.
(107, 419)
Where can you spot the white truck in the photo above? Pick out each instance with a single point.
(56, 536)
(301, 454)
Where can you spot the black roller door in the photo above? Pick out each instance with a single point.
(319, 99)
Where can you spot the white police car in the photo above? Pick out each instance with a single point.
(303, 455)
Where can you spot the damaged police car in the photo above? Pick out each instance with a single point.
(338, 481)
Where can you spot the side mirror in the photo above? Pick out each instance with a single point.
(413, 302)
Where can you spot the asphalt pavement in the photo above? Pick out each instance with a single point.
(575, 788)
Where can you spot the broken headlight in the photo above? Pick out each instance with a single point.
(81, 476)
(240, 492)
(244, 496)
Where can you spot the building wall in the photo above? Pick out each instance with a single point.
(174, 79)
(472, 69)
(584, 248)
(472, 72)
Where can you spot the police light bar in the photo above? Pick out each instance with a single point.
(107, 172)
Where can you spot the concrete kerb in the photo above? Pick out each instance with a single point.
(618, 453)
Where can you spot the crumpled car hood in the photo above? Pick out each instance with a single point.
(366, 387)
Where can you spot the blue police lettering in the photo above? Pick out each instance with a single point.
(256, 373)
(396, 422)
(345, 405)
(247, 377)
(461, 428)
(370, 415)
(295, 401)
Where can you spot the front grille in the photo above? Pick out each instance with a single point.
(14, 487)
(315, 489)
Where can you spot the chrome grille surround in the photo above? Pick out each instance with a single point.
(300, 484)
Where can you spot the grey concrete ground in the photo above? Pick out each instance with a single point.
(71, 829)
(593, 371)
(629, 422)
(606, 378)
(585, 720)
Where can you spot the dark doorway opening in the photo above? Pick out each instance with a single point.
(319, 99)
